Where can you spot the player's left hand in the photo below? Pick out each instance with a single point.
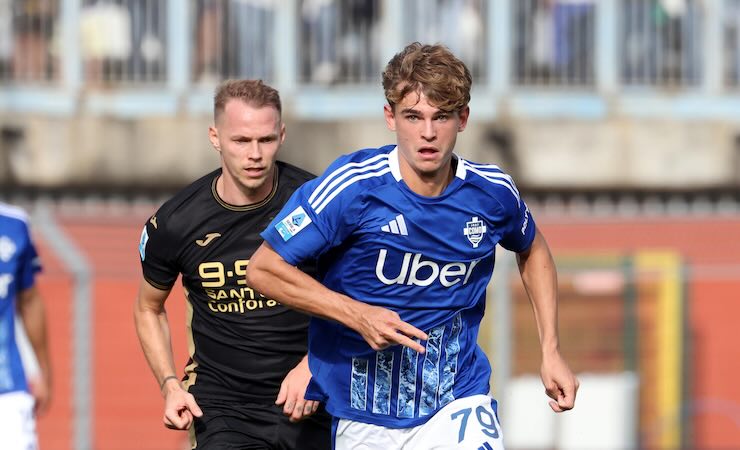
(41, 391)
(293, 391)
(560, 383)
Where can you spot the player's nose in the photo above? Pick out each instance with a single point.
(254, 151)
(428, 131)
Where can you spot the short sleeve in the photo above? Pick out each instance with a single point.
(156, 250)
(318, 217)
(519, 230)
(29, 263)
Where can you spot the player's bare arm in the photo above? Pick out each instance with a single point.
(33, 314)
(270, 274)
(152, 328)
(539, 275)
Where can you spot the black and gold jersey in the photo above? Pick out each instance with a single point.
(241, 344)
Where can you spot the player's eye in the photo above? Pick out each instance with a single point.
(443, 117)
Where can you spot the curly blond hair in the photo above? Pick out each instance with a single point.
(431, 69)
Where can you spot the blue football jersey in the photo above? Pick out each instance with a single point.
(427, 258)
(18, 266)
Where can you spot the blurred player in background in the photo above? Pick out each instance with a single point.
(406, 235)
(245, 382)
(25, 389)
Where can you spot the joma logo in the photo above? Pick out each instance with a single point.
(209, 237)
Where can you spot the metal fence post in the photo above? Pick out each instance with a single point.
(81, 326)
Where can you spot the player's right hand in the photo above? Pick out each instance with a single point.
(560, 383)
(179, 407)
(381, 328)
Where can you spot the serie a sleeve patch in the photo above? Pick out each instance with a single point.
(293, 223)
(142, 243)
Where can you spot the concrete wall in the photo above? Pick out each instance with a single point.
(154, 152)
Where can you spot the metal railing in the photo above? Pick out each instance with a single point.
(553, 43)
(339, 41)
(232, 39)
(123, 41)
(511, 46)
(661, 42)
(459, 24)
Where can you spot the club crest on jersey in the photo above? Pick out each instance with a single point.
(7, 248)
(291, 225)
(474, 231)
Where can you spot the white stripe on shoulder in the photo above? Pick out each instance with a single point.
(341, 169)
(493, 170)
(13, 211)
(483, 166)
(356, 178)
(337, 180)
(498, 178)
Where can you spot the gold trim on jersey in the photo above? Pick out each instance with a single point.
(191, 435)
(156, 285)
(253, 206)
(190, 368)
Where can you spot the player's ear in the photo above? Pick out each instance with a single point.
(282, 133)
(213, 137)
(463, 114)
(390, 117)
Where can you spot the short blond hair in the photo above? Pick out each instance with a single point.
(431, 69)
(252, 92)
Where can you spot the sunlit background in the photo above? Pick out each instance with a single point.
(619, 120)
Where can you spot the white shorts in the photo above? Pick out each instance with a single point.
(17, 424)
(466, 423)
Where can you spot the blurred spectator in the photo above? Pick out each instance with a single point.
(233, 39)
(148, 39)
(123, 40)
(661, 42)
(33, 27)
(6, 38)
(359, 52)
(457, 24)
(682, 42)
(731, 42)
(208, 41)
(461, 29)
(105, 33)
(554, 41)
(573, 22)
(320, 19)
(250, 24)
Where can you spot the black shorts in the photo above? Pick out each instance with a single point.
(257, 426)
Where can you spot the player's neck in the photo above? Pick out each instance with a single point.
(237, 194)
(428, 184)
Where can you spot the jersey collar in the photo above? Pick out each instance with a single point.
(249, 207)
(460, 172)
